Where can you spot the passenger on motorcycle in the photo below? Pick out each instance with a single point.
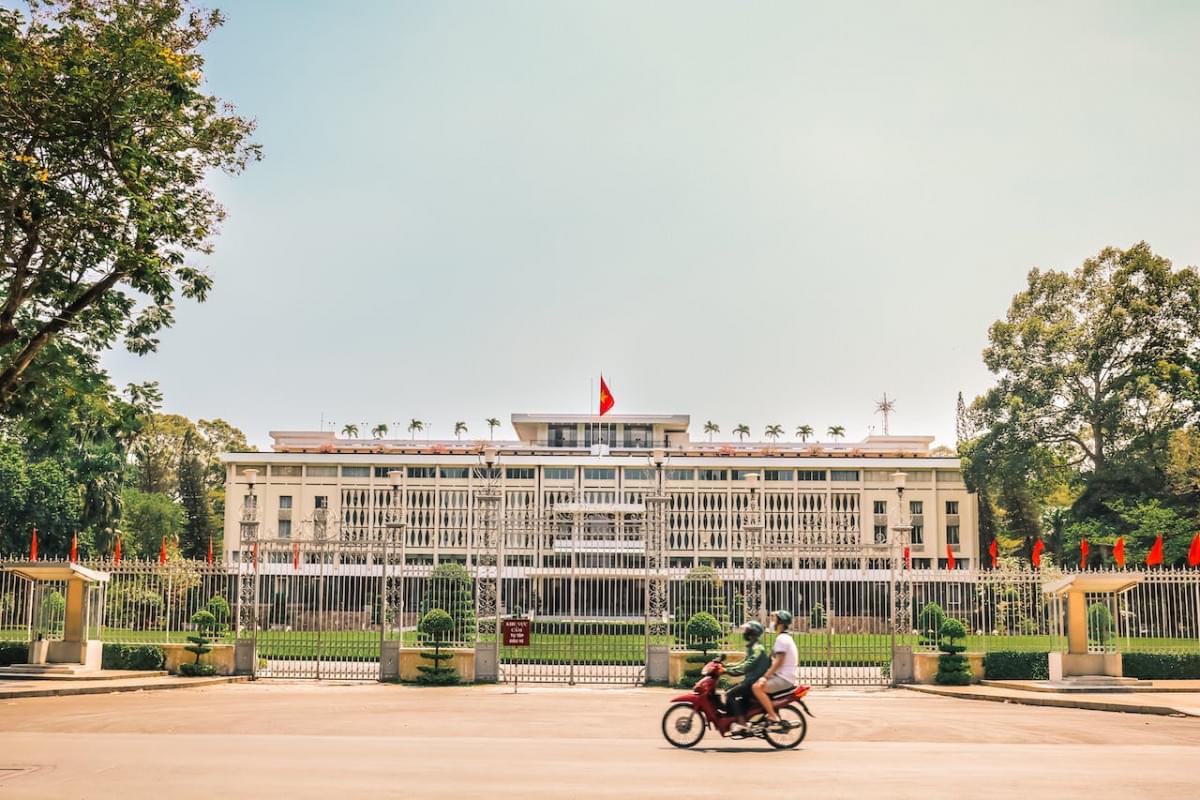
(753, 666)
(781, 674)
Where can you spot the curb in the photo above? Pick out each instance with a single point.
(70, 691)
(1056, 702)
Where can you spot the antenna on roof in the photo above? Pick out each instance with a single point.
(885, 407)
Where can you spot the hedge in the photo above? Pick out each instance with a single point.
(133, 656)
(13, 653)
(1161, 666)
(1014, 665)
(559, 628)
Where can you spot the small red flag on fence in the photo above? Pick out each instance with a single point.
(1155, 555)
(296, 556)
(117, 550)
(162, 551)
(210, 549)
(1119, 551)
(994, 553)
(1194, 552)
(950, 562)
(33, 546)
(1038, 547)
(74, 547)
(1083, 551)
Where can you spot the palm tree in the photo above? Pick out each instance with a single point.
(742, 431)
(773, 432)
(350, 431)
(710, 428)
(803, 432)
(380, 430)
(459, 429)
(836, 432)
(492, 424)
(414, 426)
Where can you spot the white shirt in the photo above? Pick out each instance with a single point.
(791, 659)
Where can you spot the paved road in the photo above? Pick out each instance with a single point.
(348, 741)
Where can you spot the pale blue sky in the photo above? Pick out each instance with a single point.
(749, 212)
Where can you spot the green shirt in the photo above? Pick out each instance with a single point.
(754, 665)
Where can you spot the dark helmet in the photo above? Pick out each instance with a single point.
(752, 630)
(784, 617)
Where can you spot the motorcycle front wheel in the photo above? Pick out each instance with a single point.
(797, 729)
(683, 725)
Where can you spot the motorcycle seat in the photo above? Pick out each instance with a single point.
(782, 693)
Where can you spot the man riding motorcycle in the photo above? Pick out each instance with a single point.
(752, 667)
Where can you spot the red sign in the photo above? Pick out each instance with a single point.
(516, 632)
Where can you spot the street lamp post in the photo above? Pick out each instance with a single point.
(489, 601)
(248, 572)
(898, 546)
(394, 524)
(655, 539)
(754, 525)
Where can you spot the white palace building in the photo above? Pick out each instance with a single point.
(842, 493)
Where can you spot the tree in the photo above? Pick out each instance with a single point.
(710, 428)
(157, 451)
(146, 519)
(193, 496)
(773, 432)
(379, 431)
(1098, 363)
(1183, 463)
(459, 429)
(492, 424)
(741, 431)
(414, 426)
(350, 431)
(108, 140)
(37, 494)
(803, 432)
(449, 588)
(836, 432)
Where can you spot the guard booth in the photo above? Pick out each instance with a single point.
(65, 613)
(1087, 614)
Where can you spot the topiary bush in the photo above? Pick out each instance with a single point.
(205, 624)
(1013, 665)
(132, 656)
(1161, 666)
(816, 617)
(929, 623)
(1099, 623)
(953, 667)
(703, 632)
(435, 624)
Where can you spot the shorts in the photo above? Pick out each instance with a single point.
(778, 683)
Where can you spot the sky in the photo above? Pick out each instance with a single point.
(747, 212)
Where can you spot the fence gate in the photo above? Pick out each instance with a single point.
(580, 575)
(317, 609)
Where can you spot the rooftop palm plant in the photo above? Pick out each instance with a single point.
(415, 425)
(773, 432)
(380, 430)
(459, 429)
(350, 431)
(492, 424)
(742, 431)
(710, 428)
(836, 432)
(803, 432)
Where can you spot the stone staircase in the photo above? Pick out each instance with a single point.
(71, 672)
(1091, 684)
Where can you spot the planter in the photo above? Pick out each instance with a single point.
(39, 650)
(925, 666)
(221, 657)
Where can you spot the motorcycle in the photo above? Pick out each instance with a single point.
(690, 715)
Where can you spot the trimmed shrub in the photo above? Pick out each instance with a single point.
(816, 617)
(133, 656)
(953, 667)
(205, 624)
(435, 625)
(450, 588)
(929, 622)
(1013, 665)
(197, 670)
(703, 632)
(1161, 666)
(1099, 623)
(13, 653)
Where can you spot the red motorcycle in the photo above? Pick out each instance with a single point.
(690, 715)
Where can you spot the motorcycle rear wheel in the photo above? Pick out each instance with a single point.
(683, 725)
(794, 735)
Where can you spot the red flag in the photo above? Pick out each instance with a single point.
(74, 547)
(162, 551)
(33, 546)
(1119, 552)
(907, 558)
(210, 549)
(949, 558)
(296, 556)
(1155, 554)
(1083, 551)
(117, 551)
(256, 556)
(606, 398)
(994, 553)
(1194, 552)
(1038, 547)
